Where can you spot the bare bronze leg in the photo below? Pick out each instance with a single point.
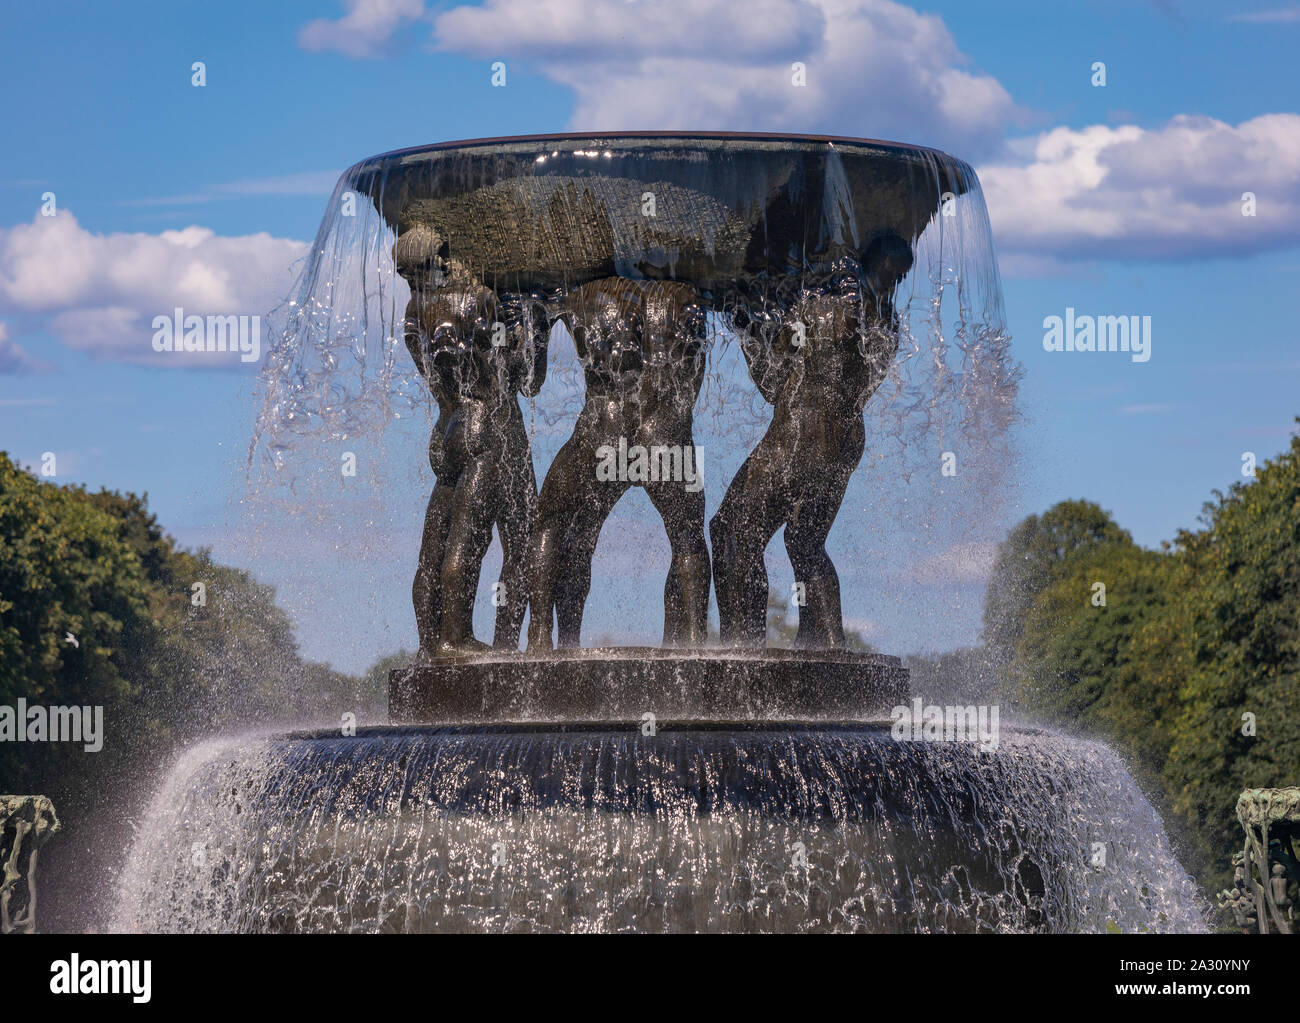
(574, 585)
(748, 518)
(514, 528)
(686, 595)
(820, 619)
(426, 592)
(468, 539)
(561, 568)
(675, 612)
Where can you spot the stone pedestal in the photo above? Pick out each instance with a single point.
(625, 683)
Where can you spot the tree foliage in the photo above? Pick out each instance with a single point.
(1191, 666)
(99, 607)
(1031, 558)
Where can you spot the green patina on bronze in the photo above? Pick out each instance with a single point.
(26, 823)
(1266, 886)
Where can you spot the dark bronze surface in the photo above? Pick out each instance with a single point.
(626, 683)
(632, 240)
(817, 355)
(479, 452)
(641, 344)
(555, 212)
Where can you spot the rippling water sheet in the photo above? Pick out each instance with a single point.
(741, 219)
(724, 828)
(761, 228)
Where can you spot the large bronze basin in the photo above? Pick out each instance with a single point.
(556, 211)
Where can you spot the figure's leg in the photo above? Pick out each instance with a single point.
(426, 590)
(468, 539)
(821, 621)
(555, 509)
(820, 618)
(675, 612)
(514, 526)
(574, 583)
(686, 594)
(750, 513)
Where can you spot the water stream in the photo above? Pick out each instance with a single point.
(697, 829)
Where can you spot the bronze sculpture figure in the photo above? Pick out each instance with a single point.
(477, 355)
(633, 239)
(642, 348)
(817, 356)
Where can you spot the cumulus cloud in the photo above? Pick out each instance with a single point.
(100, 292)
(873, 67)
(366, 30)
(878, 68)
(1128, 193)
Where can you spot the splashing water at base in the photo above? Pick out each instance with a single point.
(728, 828)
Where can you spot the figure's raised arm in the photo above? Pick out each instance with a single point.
(765, 352)
(531, 345)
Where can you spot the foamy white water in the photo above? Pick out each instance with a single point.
(697, 830)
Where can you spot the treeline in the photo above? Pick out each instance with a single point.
(99, 607)
(1186, 659)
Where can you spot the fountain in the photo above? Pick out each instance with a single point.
(712, 783)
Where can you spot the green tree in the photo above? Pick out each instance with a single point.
(74, 602)
(1086, 658)
(1243, 633)
(1031, 558)
(1192, 666)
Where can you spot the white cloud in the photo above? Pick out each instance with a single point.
(100, 292)
(306, 183)
(1281, 15)
(1129, 193)
(961, 563)
(13, 358)
(878, 68)
(874, 67)
(366, 30)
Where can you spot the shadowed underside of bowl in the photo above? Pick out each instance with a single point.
(556, 211)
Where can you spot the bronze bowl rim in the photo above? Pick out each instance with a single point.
(701, 136)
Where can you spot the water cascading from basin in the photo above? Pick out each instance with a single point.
(763, 828)
(738, 216)
(760, 227)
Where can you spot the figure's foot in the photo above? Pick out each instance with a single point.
(468, 645)
(737, 643)
(425, 656)
(540, 644)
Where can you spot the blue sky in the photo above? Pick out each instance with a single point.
(1122, 199)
